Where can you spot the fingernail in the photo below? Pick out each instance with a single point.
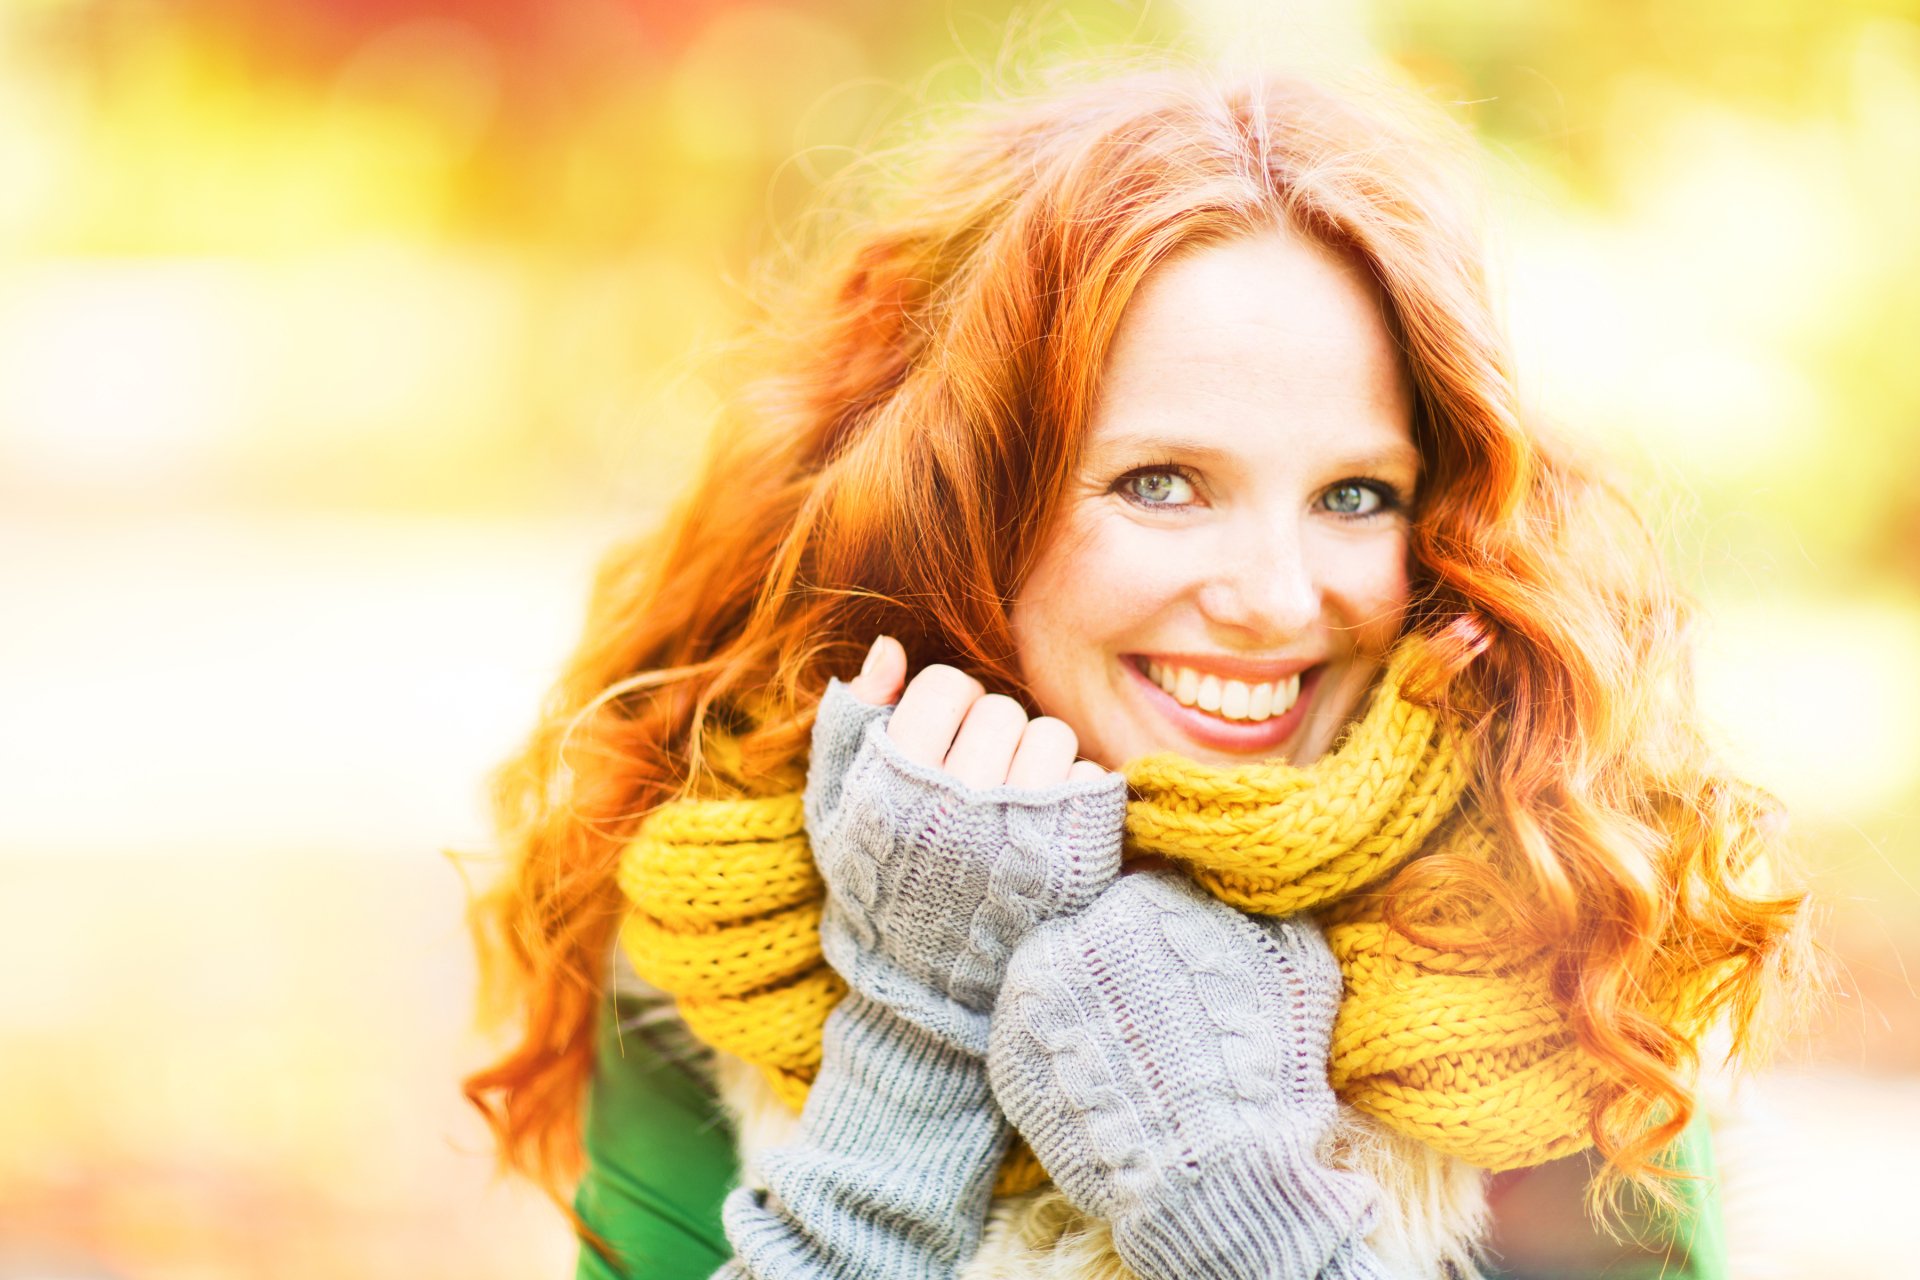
(873, 655)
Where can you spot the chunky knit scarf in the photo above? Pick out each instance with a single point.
(1465, 1050)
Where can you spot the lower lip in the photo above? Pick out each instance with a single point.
(1222, 734)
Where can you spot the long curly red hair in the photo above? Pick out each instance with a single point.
(895, 455)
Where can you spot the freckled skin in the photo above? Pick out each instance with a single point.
(1264, 368)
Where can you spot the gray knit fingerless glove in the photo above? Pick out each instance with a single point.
(930, 886)
(932, 883)
(1165, 1056)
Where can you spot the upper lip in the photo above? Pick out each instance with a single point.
(1249, 670)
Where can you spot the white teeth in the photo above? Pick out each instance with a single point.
(1209, 695)
(1260, 702)
(1233, 700)
(1229, 699)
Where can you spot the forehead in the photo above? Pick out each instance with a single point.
(1264, 342)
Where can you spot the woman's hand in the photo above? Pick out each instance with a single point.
(943, 838)
(945, 828)
(1166, 1058)
(947, 720)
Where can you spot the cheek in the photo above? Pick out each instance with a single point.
(1371, 588)
(1118, 577)
(1087, 594)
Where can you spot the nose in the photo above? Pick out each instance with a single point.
(1262, 582)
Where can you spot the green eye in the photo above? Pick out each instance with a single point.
(1158, 487)
(1351, 498)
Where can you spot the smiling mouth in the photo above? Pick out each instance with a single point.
(1235, 734)
(1237, 701)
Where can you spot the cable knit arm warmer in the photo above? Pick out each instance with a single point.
(931, 885)
(1166, 1058)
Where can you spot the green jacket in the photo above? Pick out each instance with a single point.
(660, 1159)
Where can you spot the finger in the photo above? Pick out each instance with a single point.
(1045, 754)
(930, 712)
(983, 749)
(881, 676)
(1083, 769)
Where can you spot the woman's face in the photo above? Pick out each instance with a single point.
(1230, 565)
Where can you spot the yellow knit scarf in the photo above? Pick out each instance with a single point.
(1464, 1050)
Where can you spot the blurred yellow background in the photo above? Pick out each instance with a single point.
(338, 336)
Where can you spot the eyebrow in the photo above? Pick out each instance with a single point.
(1385, 459)
(1399, 455)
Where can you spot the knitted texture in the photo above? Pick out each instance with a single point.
(1465, 1048)
(932, 883)
(892, 1169)
(931, 886)
(1471, 1054)
(1165, 1055)
(1276, 839)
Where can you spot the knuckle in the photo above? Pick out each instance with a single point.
(1055, 728)
(948, 682)
(999, 707)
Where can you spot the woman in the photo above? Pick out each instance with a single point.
(1146, 397)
